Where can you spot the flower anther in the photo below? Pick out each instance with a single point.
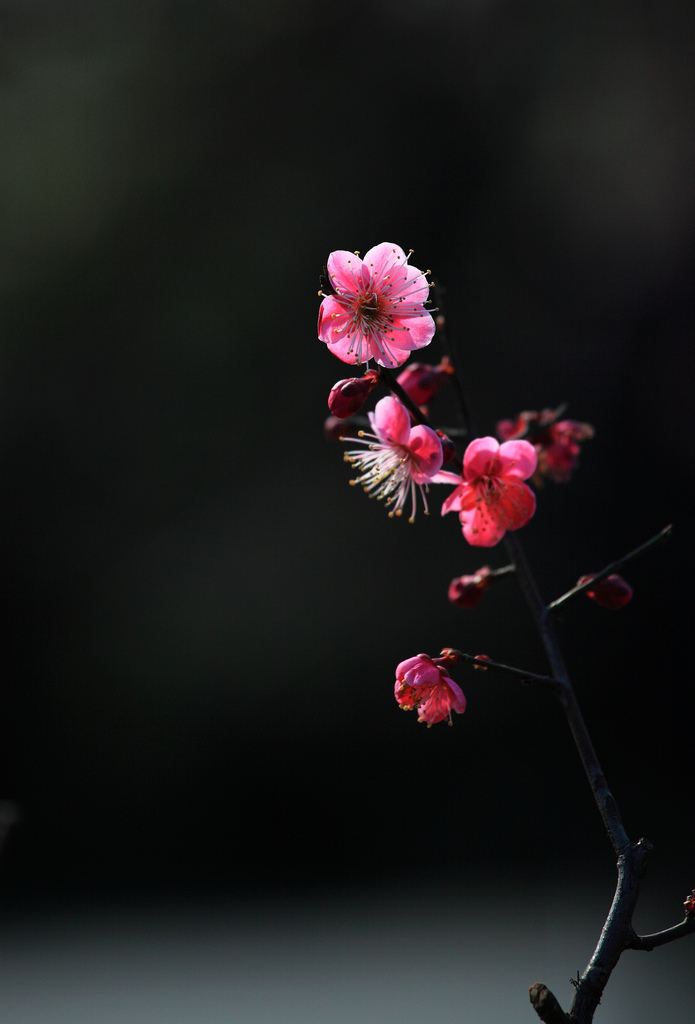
(375, 310)
(399, 460)
(422, 684)
(490, 495)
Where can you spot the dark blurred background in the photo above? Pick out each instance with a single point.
(203, 619)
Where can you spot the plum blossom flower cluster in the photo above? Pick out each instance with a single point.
(556, 441)
(375, 309)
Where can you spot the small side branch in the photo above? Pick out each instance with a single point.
(483, 662)
(563, 601)
(648, 942)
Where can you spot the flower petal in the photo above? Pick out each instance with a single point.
(417, 671)
(410, 286)
(382, 259)
(479, 457)
(345, 271)
(414, 331)
(391, 421)
(518, 458)
(513, 505)
(445, 697)
(426, 447)
(480, 529)
(331, 316)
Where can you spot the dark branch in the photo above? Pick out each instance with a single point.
(615, 935)
(546, 627)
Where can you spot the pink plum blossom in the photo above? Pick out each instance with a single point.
(376, 310)
(422, 683)
(400, 459)
(491, 496)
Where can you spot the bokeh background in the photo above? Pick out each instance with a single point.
(202, 618)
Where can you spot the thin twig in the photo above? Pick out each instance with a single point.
(561, 602)
(448, 347)
(686, 927)
(495, 666)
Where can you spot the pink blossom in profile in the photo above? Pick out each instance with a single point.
(400, 459)
(376, 310)
(423, 684)
(491, 496)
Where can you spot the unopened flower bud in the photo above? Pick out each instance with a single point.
(448, 447)
(613, 592)
(689, 905)
(467, 591)
(422, 381)
(347, 396)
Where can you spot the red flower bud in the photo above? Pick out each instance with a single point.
(448, 447)
(347, 396)
(422, 382)
(612, 592)
(467, 591)
(689, 904)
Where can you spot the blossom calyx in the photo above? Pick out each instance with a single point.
(613, 592)
(448, 447)
(347, 396)
(422, 684)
